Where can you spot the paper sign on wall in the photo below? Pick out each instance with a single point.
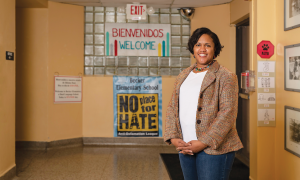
(67, 89)
(266, 95)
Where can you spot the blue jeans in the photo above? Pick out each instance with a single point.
(202, 166)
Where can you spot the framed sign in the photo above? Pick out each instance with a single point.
(291, 14)
(292, 67)
(292, 130)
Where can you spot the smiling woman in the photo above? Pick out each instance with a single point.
(205, 46)
(204, 51)
(206, 140)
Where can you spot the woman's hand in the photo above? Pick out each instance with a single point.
(179, 143)
(194, 146)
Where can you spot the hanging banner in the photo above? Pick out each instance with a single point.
(128, 39)
(137, 106)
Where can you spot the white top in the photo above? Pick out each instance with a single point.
(188, 103)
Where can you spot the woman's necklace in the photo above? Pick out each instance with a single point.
(200, 69)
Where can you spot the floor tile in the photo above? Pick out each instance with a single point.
(92, 162)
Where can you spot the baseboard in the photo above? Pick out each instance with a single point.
(90, 141)
(123, 141)
(9, 175)
(31, 145)
(65, 143)
(42, 145)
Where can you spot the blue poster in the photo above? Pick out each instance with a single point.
(137, 106)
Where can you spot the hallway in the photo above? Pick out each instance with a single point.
(41, 40)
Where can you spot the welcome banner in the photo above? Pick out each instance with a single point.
(128, 39)
(137, 106)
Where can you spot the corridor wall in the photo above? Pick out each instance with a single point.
(7, 88)
(220, 24)
(239, 11)
(268, 158)
(31, 84)
(262, 139)
(50, 42)
(287, 164)
(66, 58)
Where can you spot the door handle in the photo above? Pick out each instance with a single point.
(244, 96)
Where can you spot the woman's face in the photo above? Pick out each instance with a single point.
(204, 50)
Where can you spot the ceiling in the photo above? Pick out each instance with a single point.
(153, 3)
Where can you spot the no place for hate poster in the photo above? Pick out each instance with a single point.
(128, 39)
(137, 106)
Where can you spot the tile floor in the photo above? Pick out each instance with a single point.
(91, 162)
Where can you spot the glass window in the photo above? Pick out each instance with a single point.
(96, 62)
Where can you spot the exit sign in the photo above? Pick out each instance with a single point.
(136, 11)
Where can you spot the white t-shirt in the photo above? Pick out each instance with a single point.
(188, 103)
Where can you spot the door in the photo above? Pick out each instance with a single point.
(243, 64)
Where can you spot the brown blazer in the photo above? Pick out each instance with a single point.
(216, 112)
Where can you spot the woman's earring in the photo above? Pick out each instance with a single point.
(194, 56)
(214, 57)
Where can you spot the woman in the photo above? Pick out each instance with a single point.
(202, 112)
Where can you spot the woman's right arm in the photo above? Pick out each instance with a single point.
(170, 122)
(171, 135)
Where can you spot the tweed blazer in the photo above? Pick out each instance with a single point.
(216, 112)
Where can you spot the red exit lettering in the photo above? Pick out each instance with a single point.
(136, 10)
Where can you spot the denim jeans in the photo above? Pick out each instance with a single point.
(202, 166)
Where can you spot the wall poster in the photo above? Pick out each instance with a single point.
(137, 106)
(266, 96)
(67, 89)
(134, 39)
